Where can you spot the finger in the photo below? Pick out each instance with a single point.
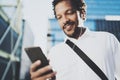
(35, 65)
(39, 72)
(43, 70)
(48, 76)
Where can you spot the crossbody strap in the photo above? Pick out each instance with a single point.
(87, 60)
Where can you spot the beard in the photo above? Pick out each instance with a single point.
(75, 34)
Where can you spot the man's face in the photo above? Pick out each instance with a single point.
(67, 17)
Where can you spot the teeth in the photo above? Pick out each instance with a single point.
(65, 26)
(68, 27)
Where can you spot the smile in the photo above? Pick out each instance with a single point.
(68, 27)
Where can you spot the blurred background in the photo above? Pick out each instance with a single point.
(26, 23)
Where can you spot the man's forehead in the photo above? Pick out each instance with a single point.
(63, 6)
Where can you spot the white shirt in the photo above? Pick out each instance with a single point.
(101, 47)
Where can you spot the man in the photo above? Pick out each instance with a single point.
(101, 47)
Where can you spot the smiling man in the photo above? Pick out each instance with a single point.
(102, 48)
(66, 14)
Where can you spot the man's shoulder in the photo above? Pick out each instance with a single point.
(102, 33)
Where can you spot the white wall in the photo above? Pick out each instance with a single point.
(28, 40)
(36, 13)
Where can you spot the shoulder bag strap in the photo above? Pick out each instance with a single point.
(87, 60)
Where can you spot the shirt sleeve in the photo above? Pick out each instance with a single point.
(116, 52)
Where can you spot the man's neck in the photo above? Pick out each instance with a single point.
(78, 32)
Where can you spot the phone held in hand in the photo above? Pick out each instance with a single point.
(36, 53)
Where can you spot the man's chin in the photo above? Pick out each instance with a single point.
(69, 34)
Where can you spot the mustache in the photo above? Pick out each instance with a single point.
(68, 23)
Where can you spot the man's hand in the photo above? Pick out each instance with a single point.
(36, 74)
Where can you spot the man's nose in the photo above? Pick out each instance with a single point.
(65, 19)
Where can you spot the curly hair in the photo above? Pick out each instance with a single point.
(76, 4)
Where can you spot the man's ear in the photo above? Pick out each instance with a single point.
(83, 10)
(80, 20)
(83, 14)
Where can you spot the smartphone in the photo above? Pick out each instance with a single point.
(36, 53)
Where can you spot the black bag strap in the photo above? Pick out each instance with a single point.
(87, 60)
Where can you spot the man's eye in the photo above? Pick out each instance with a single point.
(58, 17)
(70, 12)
